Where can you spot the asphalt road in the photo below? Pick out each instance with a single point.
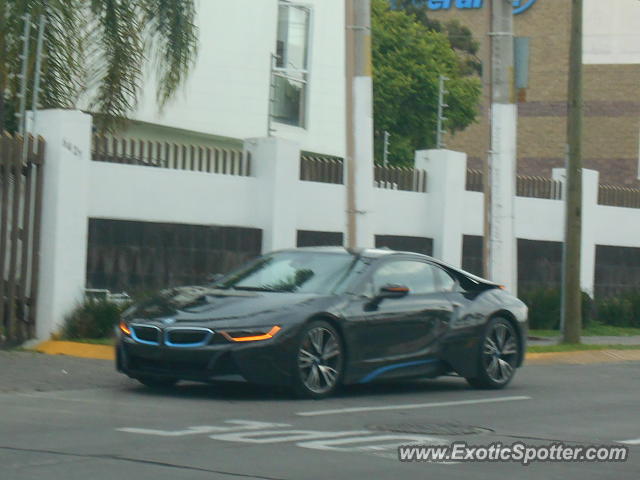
(65, 418)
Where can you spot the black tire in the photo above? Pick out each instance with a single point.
(498, 355)
(157, 382)
(318, 363)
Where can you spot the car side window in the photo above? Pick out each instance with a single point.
(418, 276)
(445, 281)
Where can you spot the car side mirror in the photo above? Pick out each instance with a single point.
(393, 291)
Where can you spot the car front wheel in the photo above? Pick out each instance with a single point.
(319, 361)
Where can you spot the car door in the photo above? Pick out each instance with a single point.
(400, 329)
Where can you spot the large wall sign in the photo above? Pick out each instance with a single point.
(519, 6)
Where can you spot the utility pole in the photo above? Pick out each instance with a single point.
(500, 179)
(359, 119)
(571, 292)
(441, 106)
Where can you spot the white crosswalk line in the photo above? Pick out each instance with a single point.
(409, 406)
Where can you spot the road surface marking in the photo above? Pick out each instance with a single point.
(409, 406)
(635, 441)
(368, 443)
(279, 436)
(247, 431)
(240, 425)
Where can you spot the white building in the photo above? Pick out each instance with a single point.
(253, 54)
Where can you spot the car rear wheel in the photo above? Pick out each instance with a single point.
(319, 361)
(498, 356)
(157, 382)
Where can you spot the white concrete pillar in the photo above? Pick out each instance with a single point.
(503, 255)
(590, 188)
(275, 162)
(446, 181)
(363, 126)
(63, 245)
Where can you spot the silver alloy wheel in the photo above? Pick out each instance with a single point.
(500, 353)
(320, 360)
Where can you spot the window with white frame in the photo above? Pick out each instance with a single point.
(291, 69)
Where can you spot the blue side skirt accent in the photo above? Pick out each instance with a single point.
(379, 371)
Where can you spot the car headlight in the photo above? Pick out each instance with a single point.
(124, 328)
(250, 334)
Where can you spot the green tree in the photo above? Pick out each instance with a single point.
(408, 58)
(96, 53)
(459, 35)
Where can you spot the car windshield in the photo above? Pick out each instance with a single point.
(299, 272)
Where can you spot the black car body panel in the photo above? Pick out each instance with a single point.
(187, 333)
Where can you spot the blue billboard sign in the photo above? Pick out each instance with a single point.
(519, 6)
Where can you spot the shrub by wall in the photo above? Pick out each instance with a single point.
(621, 311)
(545, 308)
(92, 319)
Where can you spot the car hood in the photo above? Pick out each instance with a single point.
(206, 304)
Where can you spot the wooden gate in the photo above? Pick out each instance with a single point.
(21, 178)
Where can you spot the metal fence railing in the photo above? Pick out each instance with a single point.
(618, 196)
(21, 204)
(526, 186)
(195, 158)
(474, 180)
(538, 187)
(315, 168)
(400, 178)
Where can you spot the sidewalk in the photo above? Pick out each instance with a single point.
(107, 352)
(582, 357)
(633, 340)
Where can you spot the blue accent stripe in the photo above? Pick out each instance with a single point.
(388, 368)
(139, 340)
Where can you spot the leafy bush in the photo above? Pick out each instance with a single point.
(545, 308)
(92, 319)
(621, 311)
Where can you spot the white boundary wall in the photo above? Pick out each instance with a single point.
(274, 200)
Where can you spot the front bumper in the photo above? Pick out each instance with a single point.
(263, 362)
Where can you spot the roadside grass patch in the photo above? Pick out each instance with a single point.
(593, 330)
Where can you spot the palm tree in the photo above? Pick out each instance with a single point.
(98, 53)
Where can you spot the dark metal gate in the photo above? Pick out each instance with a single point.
(21, 179)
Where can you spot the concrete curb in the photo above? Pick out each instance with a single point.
(582, 357)
(75, 349)
(107, 352)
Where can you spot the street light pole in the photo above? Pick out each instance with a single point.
(571, 292)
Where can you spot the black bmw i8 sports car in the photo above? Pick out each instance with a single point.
(316, 318)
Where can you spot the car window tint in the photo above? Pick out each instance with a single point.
(445, 282)
(418, 276)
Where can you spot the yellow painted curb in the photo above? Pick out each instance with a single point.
(107, 352)
(75, 349)
(583, 357)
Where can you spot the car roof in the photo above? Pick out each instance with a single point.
(362, 252)
(374, 253)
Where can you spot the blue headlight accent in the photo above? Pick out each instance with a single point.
(133, 327)
(388, 368)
